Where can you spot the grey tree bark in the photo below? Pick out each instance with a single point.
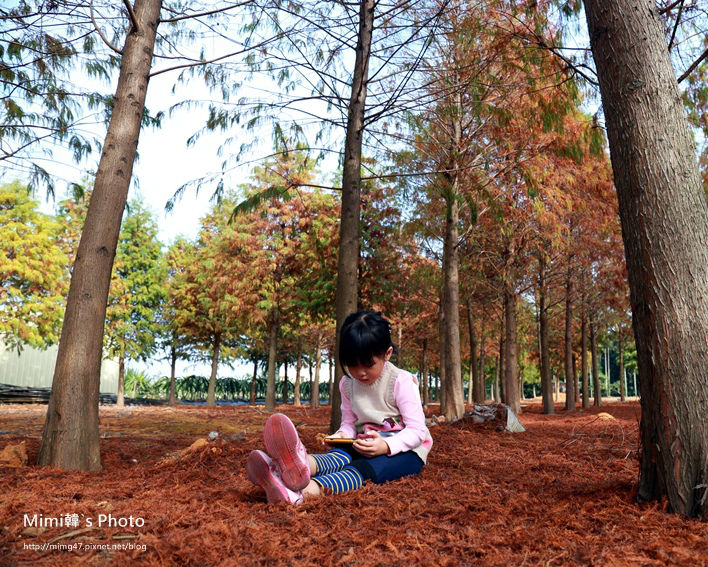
(315, 389)
(568, 341)
(584, 356)
(510, 378)
(347, 290)
(452, 401)
(663, 213)
(211, 390)
(622, 383)
(475, 393)
(173, 364)
(272, 359)
(70, 438)
(596, 386)
(544, 355)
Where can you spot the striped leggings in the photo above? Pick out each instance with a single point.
(335, 473)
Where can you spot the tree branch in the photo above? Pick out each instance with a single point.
(695, 64)
(100, 33)
(670, 7)
(131, 15)
(208, 13)
(197, 63)
(676, 24)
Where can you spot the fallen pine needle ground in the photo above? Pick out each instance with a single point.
(561, 493)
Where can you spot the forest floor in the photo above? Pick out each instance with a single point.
(561, 493)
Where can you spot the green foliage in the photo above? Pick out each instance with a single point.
(32, 270)
(137, 384)
(254, 201)
(137, 288)
(48, 44)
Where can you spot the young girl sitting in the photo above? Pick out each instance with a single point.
(381, 411)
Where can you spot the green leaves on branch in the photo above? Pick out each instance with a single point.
(32, 270)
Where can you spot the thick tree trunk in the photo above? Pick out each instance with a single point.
(663, 213)
(596, 386)
(272, 358)
(544, 355)
(70, 438)
(568, 342)
(510, 380)
(348, 261)
(211, 391)
(453, 400)
(120, 396)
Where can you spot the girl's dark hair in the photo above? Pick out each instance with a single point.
(364, 334)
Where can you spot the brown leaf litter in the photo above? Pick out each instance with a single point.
(561, 493)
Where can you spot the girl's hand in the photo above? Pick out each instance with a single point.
(371, 445)
(321, 437)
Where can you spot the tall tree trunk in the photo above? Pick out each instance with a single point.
(544, 355)
(568, 342)
(70, 438)
(663, 214)
(286, 382)
(211, 392)
(510, 380)
(348, 261)
(597, 388)
(331, 380)
(584, 356)
(315, 389)
(556, 388)
(272, 358)
(298, 372)
(482, 380)
(575, 377)
(634, 384)
(120, 396)
(607, 371)
(622, 377)
(424, 366)
(254, 381)
(453, 401)
(475, 393)
(502, 346)
(440, 378)
(399, 346)
(173, 370)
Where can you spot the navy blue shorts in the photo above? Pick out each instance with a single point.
(386, 467)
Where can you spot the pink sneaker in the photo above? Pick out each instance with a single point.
(283, 445)
(263, 472)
